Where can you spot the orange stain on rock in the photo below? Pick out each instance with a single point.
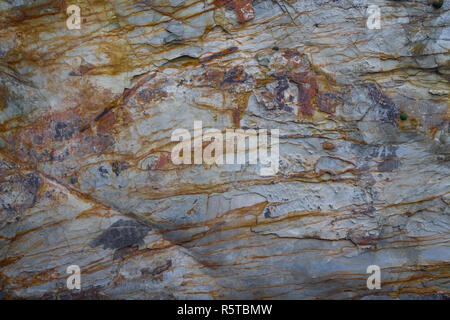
(328, 145)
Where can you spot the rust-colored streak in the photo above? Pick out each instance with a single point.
(218, 54)
(236, 118)
(307, 91)
(3, 93)
(8, 261)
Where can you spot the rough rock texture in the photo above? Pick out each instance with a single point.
(86, 118)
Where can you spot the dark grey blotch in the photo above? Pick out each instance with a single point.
(103, 172)
(387, 110)
(388, 165)
(437, 296)
(19, 193)
(63, 131)
(267, 213)
(118, 167)
(121, 234)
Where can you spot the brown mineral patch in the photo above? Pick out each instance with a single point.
(236, 115)
(82, 69)
(290, 54)
(234, 79)
(243, 8)
(48, 137)
(3, 92)
(234, 76)
(242, 103)
(328, 145)
(8, 261)
(38, 10)
(307, 91)
(410, 124)
(315, 89)
(212, 77)
(106, 122)
(164, 158)
(326, 102)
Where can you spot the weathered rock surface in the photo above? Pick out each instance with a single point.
(86, 178)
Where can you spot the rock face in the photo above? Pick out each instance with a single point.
(86, 176)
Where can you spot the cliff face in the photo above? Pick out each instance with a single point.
(86, 176)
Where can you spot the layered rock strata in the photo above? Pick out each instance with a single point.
(86, 176)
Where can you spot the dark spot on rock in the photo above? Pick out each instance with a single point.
(437, 3)
(118, 167)
(268, 212)
(387, 110)
(121, 234)
(63, 131)
(103, 172)
(234, 76)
